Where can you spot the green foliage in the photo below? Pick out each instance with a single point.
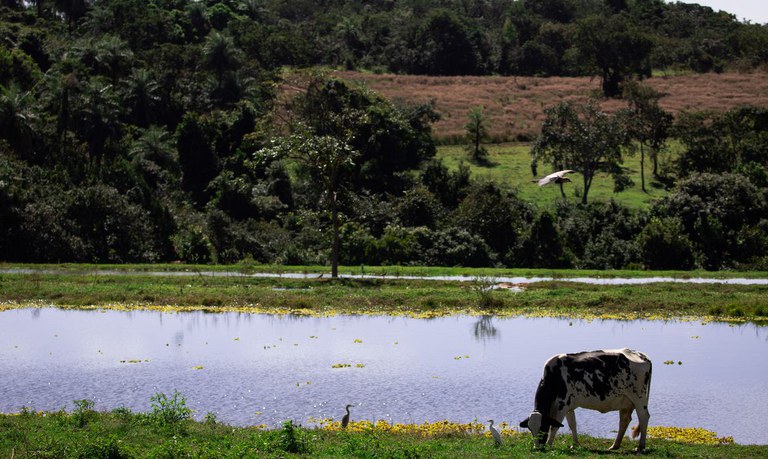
(543, 246)
(496, 215)
(663, 245)
(734, 141)
(615, 48)
(293, 439)
(713, 210)
(169, 412)
(83, 413)
(584, 138)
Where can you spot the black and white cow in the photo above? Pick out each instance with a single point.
(615, 380)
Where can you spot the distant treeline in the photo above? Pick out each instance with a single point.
(141, 131)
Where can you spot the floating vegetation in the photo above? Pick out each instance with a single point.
(672, 362)
(198, 367)
(134, 361)
(693, 435)
(459, 357)
(347, 365)
(533, 312)
(425, 430)
(358, 341)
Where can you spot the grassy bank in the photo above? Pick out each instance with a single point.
(80, 287)
(392, 271)
(166, 432)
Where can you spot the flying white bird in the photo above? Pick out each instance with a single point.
(555, 177)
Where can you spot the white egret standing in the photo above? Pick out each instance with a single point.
(345, 419)
(495, 433)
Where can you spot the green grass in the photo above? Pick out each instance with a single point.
(123, 434)
(425, 298)
(510, 165)
(392, 271)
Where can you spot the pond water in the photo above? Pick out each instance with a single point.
(253, 369)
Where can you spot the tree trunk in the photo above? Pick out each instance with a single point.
(587, 183)
(335, 244)
(642, 167)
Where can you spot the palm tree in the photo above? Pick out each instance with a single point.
(99, 20)
(113, 56)
(221, 55)
(142, 96)
(17, 118)
(96, 115)
(154, 156)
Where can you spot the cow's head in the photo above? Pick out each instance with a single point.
(539, 426)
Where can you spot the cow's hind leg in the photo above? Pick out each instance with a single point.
(625, 415)
(642, 428)
(570, 416)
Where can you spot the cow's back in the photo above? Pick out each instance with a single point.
(603, 380)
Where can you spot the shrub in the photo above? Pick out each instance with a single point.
(292, 439)
(169, 412)
(484, 287)
(663, 245)
(101, 448)
(83, 413)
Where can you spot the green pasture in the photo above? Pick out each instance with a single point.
(169, 433)
(510, 165)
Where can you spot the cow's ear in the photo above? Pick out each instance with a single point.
(555, 423)
(524, 424)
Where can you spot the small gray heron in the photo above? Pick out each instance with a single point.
(495, 433)
(345, 419)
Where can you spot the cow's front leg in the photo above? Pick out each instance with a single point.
(570, 416)
(625, 416)
(554, 427)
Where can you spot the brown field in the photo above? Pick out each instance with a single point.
(514, 106)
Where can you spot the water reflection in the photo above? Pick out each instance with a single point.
(253, 369)
(484, 329)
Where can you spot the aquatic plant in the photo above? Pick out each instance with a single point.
(425, 430)
(693, 435)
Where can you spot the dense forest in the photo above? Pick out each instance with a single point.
(203, 131)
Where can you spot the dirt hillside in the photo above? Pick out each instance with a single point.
(515, 105)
